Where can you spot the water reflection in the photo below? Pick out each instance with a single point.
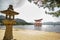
(50, 28)
(31, 27)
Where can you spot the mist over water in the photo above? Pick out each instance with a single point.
(48, 28)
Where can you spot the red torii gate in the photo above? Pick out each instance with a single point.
(38, 22)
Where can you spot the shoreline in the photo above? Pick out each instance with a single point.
(17, 29)
(24, 34)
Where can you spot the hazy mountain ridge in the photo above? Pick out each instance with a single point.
(23, 22)
(18, 21)
(51, 23)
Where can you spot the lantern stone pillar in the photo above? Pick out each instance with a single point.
(8, 32)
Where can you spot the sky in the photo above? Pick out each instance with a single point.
(28, 11)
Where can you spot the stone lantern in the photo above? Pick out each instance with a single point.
(9, 22)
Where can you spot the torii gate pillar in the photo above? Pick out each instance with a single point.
(38, 22)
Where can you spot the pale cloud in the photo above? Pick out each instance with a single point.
(28, 11)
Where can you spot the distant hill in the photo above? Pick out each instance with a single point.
(51, 23)
(18, 21)
(2, 17)
(21, 22)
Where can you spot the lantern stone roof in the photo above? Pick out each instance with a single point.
(9, 12)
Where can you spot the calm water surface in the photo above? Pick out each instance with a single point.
(50, 28)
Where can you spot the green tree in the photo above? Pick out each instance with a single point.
(50, 4)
